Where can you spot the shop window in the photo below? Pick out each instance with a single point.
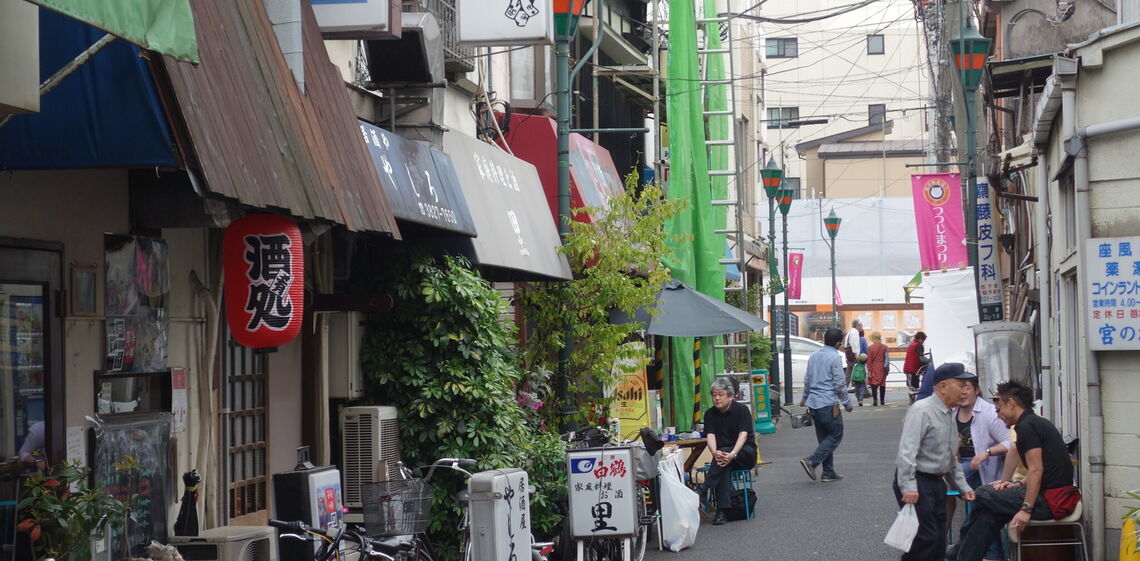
(21, 369)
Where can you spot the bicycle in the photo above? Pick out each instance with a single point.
(401, 507)
(646, 495)
(386, 549)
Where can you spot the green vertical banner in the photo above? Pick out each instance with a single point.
(695, 260)
(711, 246)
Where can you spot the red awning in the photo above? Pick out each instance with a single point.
(594, 179)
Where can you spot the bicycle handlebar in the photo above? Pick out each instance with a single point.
(388, 548)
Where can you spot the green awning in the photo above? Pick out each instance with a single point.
(165, 26)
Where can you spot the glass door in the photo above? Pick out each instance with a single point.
(22, 371)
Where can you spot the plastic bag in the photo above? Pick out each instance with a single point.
(680, 515)
(904, 529)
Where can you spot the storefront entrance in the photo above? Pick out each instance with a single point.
(31, 358)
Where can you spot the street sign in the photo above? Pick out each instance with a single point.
(761, 408)
(1112, 293)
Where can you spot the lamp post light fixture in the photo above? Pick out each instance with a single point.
(970, 49)
(784, 194)
(832, 222)
(770, 176)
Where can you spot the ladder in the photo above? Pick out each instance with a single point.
(717, 44)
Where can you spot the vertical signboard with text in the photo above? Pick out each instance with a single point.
(602, 503)
(1112, 293)
(989, 284)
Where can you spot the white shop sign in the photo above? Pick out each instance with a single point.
(1112, 293)
(506, 22)
(602, 500)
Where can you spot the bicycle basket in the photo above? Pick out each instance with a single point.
(396, 508)
(799, 420)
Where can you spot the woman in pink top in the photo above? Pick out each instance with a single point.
(878, 362)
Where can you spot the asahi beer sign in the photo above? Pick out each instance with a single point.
(506, 22)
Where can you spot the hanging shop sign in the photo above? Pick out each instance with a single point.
(264, 280)
(506, 22)
(795, 275)
(938, 218)
(989, 285)
(1112, 293)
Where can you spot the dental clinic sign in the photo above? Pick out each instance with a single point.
(1112, 293)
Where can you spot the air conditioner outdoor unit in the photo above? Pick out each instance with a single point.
(344, 337)
(229, 543)
(370, 441)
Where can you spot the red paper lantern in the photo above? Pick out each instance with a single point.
(265, 280)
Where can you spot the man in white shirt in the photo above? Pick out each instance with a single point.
(851, 348)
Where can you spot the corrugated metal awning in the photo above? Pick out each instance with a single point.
(250, 132)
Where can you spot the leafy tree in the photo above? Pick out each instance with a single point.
(443, 358)
(617, 265)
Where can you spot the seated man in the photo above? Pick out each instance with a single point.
(1040, 447)
(728, 430)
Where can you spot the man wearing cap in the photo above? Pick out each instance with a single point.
(927, 460)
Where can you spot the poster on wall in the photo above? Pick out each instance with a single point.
(1112, 293)
(137, 290)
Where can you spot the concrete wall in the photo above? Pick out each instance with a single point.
(1026, 32)
(857, 178)
(1114, 176)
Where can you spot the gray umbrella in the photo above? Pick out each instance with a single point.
(685, 312)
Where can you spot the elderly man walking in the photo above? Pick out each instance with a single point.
(927, 459)
(824, 391)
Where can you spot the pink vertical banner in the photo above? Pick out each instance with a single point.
(838, 298)
(795, 274)
(938, 216)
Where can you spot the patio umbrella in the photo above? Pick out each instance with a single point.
(685, 312)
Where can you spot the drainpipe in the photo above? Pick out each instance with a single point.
(1045, 283)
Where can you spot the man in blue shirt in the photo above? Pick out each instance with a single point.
(824, 391)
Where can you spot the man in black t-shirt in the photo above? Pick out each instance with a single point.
(729, 433)
(1043, 451)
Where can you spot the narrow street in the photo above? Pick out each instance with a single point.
(798, 518)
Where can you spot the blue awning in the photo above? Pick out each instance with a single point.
(731, 272)
(106, 114)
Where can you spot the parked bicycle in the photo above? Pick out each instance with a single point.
(612, 548)
(342, 539)
(400, 509)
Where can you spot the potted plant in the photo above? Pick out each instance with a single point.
(60, 512)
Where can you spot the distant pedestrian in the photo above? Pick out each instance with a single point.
(878, 365)
(728, 431)
(852, 346)
(928, 458)
(824, 391)
(916, 360)
(859, 378)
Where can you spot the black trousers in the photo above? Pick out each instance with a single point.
(718, 478)
(930, 543)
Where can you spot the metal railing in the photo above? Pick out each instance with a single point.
(456, 58)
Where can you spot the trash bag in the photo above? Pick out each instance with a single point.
(736, 507)
(904, 529)
(680, 514)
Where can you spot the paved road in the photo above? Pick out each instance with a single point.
(802, 519)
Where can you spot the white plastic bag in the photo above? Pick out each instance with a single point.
(680, 514)
(904, 529)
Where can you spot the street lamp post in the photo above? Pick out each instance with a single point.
(832, 222)
(771, 175)
(785, 196)
(969, 50)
